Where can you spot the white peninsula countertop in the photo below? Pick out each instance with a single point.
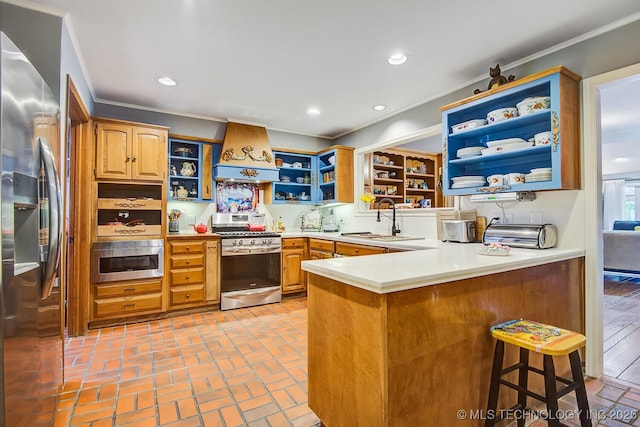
(426, 262)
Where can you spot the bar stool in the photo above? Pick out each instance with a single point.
(549, 341)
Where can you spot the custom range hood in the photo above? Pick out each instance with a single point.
(246, 155)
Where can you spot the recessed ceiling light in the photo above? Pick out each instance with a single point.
(313, 111)
(621, 159)
(379, 107)
(167, 81)
(397, 59)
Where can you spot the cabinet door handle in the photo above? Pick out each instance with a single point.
(129, 289)
(128, 305)
(134, 159)
(127, 159)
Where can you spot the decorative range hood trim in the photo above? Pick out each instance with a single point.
(241, 173)
(246, 155)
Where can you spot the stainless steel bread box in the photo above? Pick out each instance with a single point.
(529, 236)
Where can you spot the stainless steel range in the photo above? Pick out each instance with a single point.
(250, 273)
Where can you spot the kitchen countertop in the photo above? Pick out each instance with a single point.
(426, 262)
(190, 234)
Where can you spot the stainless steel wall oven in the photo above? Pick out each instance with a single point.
(135, 259)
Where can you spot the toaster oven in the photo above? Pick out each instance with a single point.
(458, 230)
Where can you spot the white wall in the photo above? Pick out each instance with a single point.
(564, 209)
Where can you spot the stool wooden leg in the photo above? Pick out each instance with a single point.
(550, 391)
(581, 391)
(494, 387)
(523, 383)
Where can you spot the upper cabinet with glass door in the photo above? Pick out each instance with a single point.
(528, 128)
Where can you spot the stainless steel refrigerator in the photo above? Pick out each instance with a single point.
(32, 302)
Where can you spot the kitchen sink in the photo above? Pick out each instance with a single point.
(394, 238)
(381, 237)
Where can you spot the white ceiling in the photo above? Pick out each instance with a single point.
(267, 62)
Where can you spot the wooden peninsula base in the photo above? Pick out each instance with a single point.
(418, 357)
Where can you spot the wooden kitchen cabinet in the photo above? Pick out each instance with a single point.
(320, 249)
(130, 151)
(405, 176)
(212, 272)
(187, 272)
(293, 278)
(129, 210)
(335, 175)
(352, 249)
(117, 300)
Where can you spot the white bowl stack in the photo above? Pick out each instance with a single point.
(463, 153)
(539, 174)
(468, 181)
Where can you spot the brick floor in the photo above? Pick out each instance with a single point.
(243, 367)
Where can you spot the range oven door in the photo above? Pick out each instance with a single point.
(250, 279)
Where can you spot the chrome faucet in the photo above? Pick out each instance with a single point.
(394, 229)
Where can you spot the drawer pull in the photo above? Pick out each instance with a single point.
(188, 262)
(129, 289)
(188, 295)
(187, 277)
(128, 305)
(188, 248)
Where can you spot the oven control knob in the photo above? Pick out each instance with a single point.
(265, 241)
(239, 242)
(233, 243)
(253, 242)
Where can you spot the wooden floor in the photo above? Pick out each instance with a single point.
(622, 328)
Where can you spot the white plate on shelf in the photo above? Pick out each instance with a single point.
(529, 180)
(470, 124)
(507, 141)
(467, 178)
(541, 170)
(468, 184)
(506, 148)
(469, 151)
(466, 156)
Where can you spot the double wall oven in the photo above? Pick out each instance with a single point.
(250, 262)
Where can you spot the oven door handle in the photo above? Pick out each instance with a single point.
(250, 297)
(254, 251)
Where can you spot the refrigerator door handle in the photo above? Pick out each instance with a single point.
(55, 204)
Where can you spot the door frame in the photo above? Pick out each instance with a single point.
(592, 175)
(77, 132)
